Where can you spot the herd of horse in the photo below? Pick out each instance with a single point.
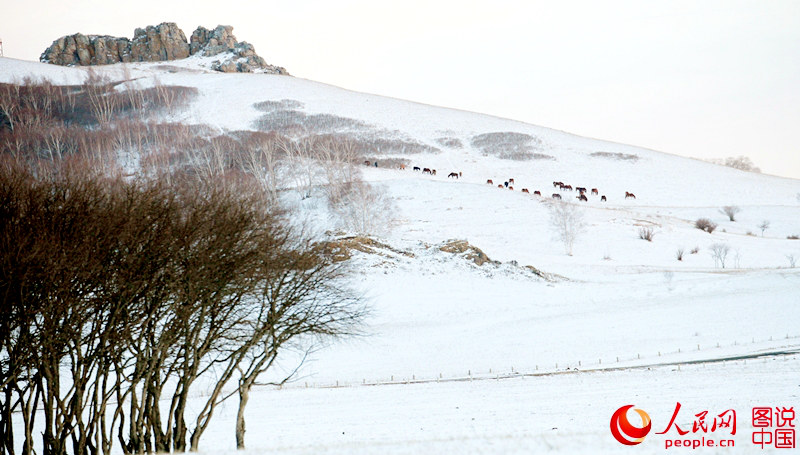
(509, 184)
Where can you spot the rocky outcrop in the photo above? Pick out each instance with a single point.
(160, 43)
(240, 56)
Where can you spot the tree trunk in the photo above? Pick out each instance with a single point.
(244, 395)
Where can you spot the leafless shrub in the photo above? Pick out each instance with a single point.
(615, 156)
(167, 98)
(375, 143)
(282, 105)
(704, 224)
(730, 211)
(450, 142)
(720, 251)
(364, 209)
(510, 145)
(287, 122)
(318, 123)
(792, 260)
(695, 250)
(567, 221)
(742, 163)
(679, 254)
(646, 233)
(297, 123)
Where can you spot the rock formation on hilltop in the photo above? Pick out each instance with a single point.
(160, 43)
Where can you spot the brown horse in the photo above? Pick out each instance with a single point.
(582, 197)
(603, 198)
(489, 182)
(594, 191)
(500, 186)
(402, 167)
(525, 190)
(367, 163)
(556, 196)
(510, 181)
(537, 193)
(510, 187)
(426, 171)
(452, 174)
(433, 171)
(627, 195)
(558, 184)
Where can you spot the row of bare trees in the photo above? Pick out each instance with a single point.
(41, 120)
(120, 298)
(111, 125)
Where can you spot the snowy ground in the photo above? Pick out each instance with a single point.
(566, 413)
(622, 301)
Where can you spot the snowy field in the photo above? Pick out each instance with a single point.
(565, 413)
(461, 358)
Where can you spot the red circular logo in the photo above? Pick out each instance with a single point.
(624, 431)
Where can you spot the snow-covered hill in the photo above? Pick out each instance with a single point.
(619, 301)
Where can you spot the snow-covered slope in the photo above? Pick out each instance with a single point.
(618, 301)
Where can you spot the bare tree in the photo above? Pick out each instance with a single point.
(338, 157)
(679, 254)
(566, 219)
(362, 208)
(730, 211)
(303, 167)
(263, 158)
(303, 301)
(720, 251)
(117, 295)
(792, 260)
(763, 226)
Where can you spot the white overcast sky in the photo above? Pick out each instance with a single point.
(700, 78)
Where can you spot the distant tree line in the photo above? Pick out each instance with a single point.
(117, 128)
(743, 163)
